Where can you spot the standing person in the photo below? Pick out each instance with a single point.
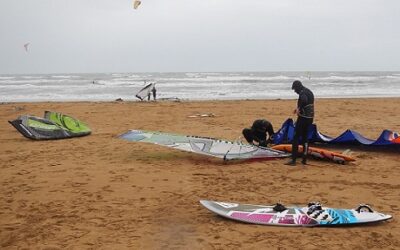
(305, 117)
(154, 91)
(258, 132)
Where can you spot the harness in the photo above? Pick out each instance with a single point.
(303, 111)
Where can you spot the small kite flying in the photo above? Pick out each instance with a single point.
(26, 46)
(136, 4)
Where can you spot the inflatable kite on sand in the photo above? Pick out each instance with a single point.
(349, 137)
(53, 126)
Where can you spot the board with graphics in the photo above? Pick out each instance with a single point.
(311, 215)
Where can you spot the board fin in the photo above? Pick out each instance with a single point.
(279, 207)
(347, 152)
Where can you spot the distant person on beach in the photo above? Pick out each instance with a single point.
(154, 91)
(258, 132)
(305, 117)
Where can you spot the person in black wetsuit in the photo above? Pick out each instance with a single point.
(258, 132)
(154, 91)
(305, 117)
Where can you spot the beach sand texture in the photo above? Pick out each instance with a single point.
(101, 192)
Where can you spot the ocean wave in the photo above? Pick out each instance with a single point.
(234, 78)
(32, 77)
(64, 76)
(392, 77)
(43, 82)
(193, 75)
(336, 85)
(6, 77)
(346, 78)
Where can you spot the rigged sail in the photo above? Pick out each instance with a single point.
(206, 146)
(53, 126)
(144, 92)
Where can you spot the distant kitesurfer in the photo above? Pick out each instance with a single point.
(305, 117)
(258, 132)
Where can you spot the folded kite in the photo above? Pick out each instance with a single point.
(53, 126)
(349, 137)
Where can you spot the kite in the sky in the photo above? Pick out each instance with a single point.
(136, 4)
(26, 46)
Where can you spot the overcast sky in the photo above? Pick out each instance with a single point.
(78, 36)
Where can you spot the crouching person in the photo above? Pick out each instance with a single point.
(261, 133)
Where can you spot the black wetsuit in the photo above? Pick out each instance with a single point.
(258, 132)
(305, 118)
(154, 91)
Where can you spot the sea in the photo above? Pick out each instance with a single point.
(195, 85)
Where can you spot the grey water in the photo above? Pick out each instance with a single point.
(195, 85)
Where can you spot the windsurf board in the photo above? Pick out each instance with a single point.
(318, 153)
(311, 215)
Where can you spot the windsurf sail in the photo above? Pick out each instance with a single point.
(144, 92)
(53, 126)
(349, 137)
(206, 146)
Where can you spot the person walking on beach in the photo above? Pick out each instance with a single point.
(258, 132)
(305, 117)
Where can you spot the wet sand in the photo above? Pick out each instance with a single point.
(100, 192)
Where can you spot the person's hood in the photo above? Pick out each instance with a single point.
(297, 86)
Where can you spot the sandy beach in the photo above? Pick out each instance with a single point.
(101, 192)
